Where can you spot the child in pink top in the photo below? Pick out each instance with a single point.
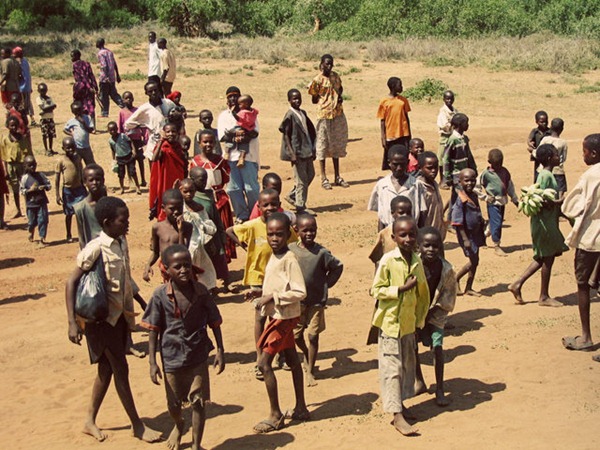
(246, 119)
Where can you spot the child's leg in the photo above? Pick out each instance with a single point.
(474, 262)
(198, 421)
(583, 297)
(32, 221)
(68, 221)
(174, 383)
(420, 386)
(264, 364)
(120, 369)
(300, 409)
(2, 209)
(121, 174)
(133, 175)
(496, 216)
(438, 361)
(323, 172)
(45, 141)
(50, 142)
(259, 325)
(101, 384)
(545, 299)
(515, 287)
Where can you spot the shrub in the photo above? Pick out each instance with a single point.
(427, 88)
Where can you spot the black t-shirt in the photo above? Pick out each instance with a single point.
(433, 273)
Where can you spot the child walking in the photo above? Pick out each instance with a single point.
(123, 153)
(535, 137)
(582, 205)
(70, 169)
(393, 114)
(33, 186)
(498, 186)
(400, 206)
(13, 149)
(326, 91)
(46, 107)
(298, 147)
(282, 290)
(396, 183)
(468, 222)
(441, 281)
(137, 135)
(548, 241)
(80, 127)
(107, 339)
(321, 271)
(173, 230)
(556, 128)
(177, 316)
(400, 288)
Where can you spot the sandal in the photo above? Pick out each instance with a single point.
(266, 426)
(325, 184)
(258, 374)
(339, 181)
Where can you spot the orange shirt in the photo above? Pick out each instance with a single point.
(395, 113)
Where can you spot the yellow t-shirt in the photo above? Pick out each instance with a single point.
(394, 111)
(328, 89)
(254, 234)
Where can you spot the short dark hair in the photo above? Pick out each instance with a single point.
(397, 149)
(495, 156)
(93, 167)
(187, 181)
(112, 124)
(592, 142)
(280, 217)
(459, 119)
(429, 230)
(402, 219)
(557, 124)
(539, 114)
(426, 155)
(544, 152)
(326, 56)
(148, 83)
(76, 105)
(303, 215)
(400, 200)
(415, 141)
(107, 209)
(10, 119)
(232, 90)
(76, 52)
(205, 111)
(172, 194)
(205, 132)
(270, 176)
(168, 252)
(392, 82)
(292, 92)
(100, 42)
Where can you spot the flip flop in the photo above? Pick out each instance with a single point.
(570, 343)
(339, 181)
(266, 426)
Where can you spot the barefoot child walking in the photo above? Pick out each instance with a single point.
(178, 315)
(107, 339)
(548, 241)
(283, 289)
(321, 271)
(582, 205)
(441, 281)
(468, 223)
(400, 287)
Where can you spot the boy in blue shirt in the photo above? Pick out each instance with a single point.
(33, 186)
(80, 127)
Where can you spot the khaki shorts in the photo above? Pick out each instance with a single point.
(332, 137)
(185, 385)
(312, 319)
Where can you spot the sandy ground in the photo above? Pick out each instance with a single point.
(511, 383)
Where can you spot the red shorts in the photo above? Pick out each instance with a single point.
(278, 336)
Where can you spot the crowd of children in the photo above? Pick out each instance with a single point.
(287, 273)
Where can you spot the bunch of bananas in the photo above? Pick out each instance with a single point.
(533, 198)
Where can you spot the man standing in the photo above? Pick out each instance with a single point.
(25, 82)
(154, 72)
(10, 75)
(109, 74)
(167, 65)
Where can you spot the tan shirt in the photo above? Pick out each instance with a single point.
(583, 205)
(167, 62)
(283, 279)
(562, 147)
(71, 170)
(120, 287)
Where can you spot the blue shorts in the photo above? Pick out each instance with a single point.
(70, 197)
(431, 336)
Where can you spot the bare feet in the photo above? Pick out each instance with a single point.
(122, 191)
(145, 433)
(310, 380)
(92, 429)
(403, 426)
(174, 440)
(30, 237)
(440, 399)
(549, 302)
(420, 387)
(17, 215)
(516, 291)
(472, 293)
(498, 251)
(135, 352)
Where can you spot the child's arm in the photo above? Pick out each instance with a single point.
(155, 373)
(219, 362)
(57, 184)
(138, 298)
(68, 130)
(334, 269)
(231, 234)
(185, 232)
(118, 77)
(154, 247)
(75, 333)
(511, 193)
(383, 141)
(112, 150)
(157, 154)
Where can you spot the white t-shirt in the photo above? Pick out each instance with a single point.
(153, 60)
(154, 119)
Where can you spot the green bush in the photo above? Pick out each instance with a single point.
(426, 89)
